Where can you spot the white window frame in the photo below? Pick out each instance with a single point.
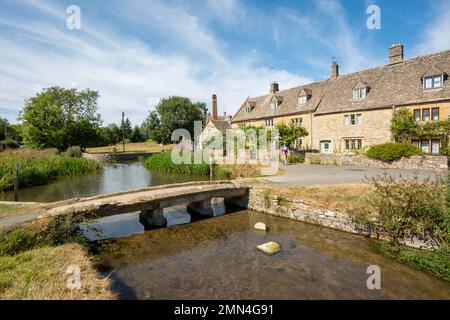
(274, 104)
(353, 119)
(432, 82)
(435, 143)
(302, 100)
(359, 93)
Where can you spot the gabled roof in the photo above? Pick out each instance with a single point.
(433, 71)
(305, 92)
(398, 84)
(361, 84)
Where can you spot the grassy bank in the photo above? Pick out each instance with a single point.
(163, 162)
(39, 166)
(435, 262)
(41, 274)
(34, 258)
(148, 146)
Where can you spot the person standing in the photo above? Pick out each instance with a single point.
(285, 152)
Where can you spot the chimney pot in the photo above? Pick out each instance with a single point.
(274, 87)
(214, 107)
(334, 70)
(396, 53)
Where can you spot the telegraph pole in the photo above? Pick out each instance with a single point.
(123, 131)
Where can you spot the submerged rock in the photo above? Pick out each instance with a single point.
(260, 226)
(269, 248)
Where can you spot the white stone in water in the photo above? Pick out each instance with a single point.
(260, 226)
(269, 248)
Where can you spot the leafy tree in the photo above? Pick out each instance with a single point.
(403, 126)
(13, 137)
(113, 134)
(59, 118)
(290, 133)
(137, 136)
(171, 114)
(127, 128)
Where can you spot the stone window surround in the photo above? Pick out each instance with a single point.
(418, 114)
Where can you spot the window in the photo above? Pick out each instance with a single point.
(248, 109)
(435, 146)
(425, 114)
(433, 82)
(417, 115)
(302, 100)
(269, 123)
(352, 119)
(274, 104)
(435, 114)
(359, 93)
(416, 143)
(425, 146)
(297, 121)
(298, 144)
(352, 144)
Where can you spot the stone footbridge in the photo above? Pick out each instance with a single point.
(150, 202)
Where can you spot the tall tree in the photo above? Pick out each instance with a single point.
(290, 133)
(59, 118)
(128, 128)
(174, 113)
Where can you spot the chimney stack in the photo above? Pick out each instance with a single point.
(214, 108)
(334, 70)
(396, 54)
(274, 88)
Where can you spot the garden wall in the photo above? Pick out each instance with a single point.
(429, 163)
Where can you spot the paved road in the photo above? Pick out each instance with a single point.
(303, 174)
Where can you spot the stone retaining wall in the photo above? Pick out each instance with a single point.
(262, 201)
(428, 163)
(108, 157)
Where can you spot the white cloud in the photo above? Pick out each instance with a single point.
(436, 36)
(127, 72)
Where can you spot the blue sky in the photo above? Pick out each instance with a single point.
(136, 52)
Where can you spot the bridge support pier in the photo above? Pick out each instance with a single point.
(202, 208)
(153, 218)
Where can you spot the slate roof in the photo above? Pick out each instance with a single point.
(397, 84)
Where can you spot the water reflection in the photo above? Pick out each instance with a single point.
(128, 224)
(112, 178)
(216, 259)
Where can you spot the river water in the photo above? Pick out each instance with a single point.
(216, 258)
(112, 178)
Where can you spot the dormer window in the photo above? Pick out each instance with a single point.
(304, 96)
(359, 93)
(302, 100)
(433, 82)
(274, 104)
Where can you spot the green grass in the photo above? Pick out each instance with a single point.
(41, 274)
(435, 262)
(163, 162)
(40, 166)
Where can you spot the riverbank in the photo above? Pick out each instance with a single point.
(163, 162)
(40, 274)
(142, 147)
(35, 257)
(353, 209)
(38, 167)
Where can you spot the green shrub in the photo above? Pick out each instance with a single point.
(296, 159)
(57, 231)
(74, 152)
(39, 166)
(392, 151)
(163, 162)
